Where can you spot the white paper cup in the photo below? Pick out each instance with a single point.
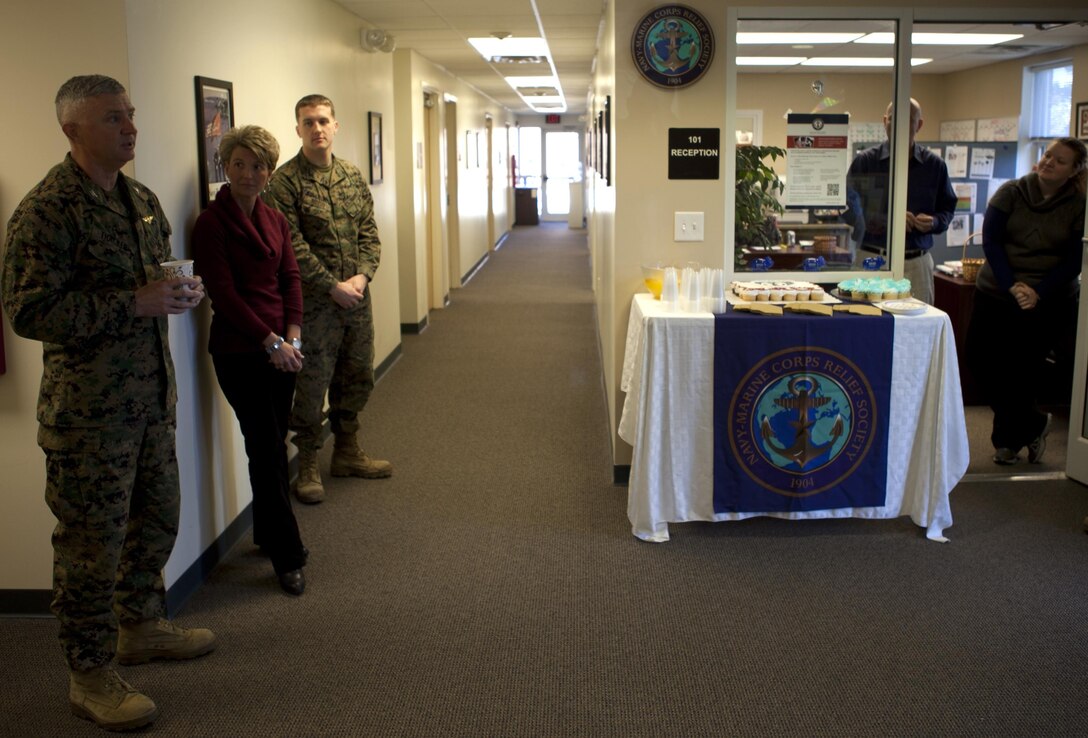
(176, 269)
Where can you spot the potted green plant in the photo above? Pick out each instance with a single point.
(758, 188)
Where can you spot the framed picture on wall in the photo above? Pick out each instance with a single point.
(607, 143)
(1080, 124)
(214, 117)
(375, 126)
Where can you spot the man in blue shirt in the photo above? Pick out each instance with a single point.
(931, 202)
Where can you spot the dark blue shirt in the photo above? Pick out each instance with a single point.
(929, 191)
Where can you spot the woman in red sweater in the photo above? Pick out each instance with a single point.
(243, 251)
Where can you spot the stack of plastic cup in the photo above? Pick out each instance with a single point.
(670, 289)
(704, 287)
(716, 292)
(691, 294)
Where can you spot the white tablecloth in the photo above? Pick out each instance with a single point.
(668, 377)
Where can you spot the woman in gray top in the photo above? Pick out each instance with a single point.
(1026, 294)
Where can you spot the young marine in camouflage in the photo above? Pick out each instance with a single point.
(81, 274)
(331, 213)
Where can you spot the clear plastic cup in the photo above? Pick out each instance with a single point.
(670, 289)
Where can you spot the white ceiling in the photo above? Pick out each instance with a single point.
(438, 30)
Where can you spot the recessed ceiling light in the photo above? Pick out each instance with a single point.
(532, 81)
(490, 47)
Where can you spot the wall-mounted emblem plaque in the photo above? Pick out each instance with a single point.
(672, 46)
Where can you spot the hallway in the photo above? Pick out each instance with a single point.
(492, 586)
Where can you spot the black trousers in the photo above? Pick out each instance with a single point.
(1007, 350)
(261, 397)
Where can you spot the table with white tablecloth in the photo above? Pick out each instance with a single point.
(668, 376)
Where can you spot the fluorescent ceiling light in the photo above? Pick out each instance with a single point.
(769, 61)
(490, 47)
(537, 81)
(816, 61)
(963, 39)
(795, 38)
(849, 61)
(943, 39)
(542, 99)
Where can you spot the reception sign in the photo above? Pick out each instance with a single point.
(800, 412)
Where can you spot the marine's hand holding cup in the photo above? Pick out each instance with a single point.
(168, 297)
(188, 288)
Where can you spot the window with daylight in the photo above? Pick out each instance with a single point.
(1048, 104)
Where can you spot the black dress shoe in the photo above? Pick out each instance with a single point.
(293, 582)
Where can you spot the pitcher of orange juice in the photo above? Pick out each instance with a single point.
(653, 276)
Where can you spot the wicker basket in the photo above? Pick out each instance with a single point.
(971, 266)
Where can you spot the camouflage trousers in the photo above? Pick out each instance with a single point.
(115, 493)
(339, 348)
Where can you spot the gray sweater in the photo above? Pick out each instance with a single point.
(1032, 239)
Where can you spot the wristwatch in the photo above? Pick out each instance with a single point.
(275, 345)
(297, 343)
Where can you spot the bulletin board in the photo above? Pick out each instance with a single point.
(986, 178)
(978, 167)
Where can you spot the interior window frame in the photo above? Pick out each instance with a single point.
(904, 19)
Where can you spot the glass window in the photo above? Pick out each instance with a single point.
(822, 88)
(1051, 100)
(563, 167)
(529, 164)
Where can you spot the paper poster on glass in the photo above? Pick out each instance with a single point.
(214, 117)
(816, 159)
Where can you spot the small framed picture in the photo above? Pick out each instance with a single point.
(1080, 124)
(214, 117)
(375, 125)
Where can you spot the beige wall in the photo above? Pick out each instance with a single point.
(273, 51)
(601, 204)
(288, 50)
(34, 63)
(632, 222)
(156, 47)
(413, 75)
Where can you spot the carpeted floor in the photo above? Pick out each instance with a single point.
(979, 424)
(492, 587)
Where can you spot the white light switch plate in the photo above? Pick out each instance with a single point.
(689, 227)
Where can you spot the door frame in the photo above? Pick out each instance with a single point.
(1076, 457)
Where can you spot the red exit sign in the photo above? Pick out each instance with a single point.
(551, 118)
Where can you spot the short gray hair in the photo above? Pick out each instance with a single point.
(78, 89)
(262, 143)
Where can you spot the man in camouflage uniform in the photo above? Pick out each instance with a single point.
(331, 212)
(81, 274)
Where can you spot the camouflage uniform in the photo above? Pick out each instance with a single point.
(335, 238)
(74, 259)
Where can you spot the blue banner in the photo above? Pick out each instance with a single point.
(801, 411)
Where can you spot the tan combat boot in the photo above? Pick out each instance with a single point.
(308, 489)
(138, 643)
(348, 460)
(103, 696)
